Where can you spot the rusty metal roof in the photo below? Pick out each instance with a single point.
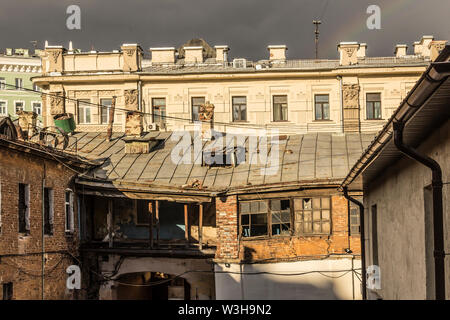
(313, 158)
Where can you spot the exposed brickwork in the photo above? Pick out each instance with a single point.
(23, 269)
(282, 247)
(227, 227)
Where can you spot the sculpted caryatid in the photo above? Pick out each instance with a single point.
(206, 112)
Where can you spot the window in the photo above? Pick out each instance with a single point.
(36, 87)
(2, 83)
(196, 103)
(355, 227)
(84, 111)
(18, 106)
(7, 291)
(322, 106)
(239, 108)
(258, 220)
(24, 209)
(104, 110)
(48, 211)
(3, 108)
(159, 110)
(69, 211)
(373, 103)
(37, 108)
(280, 108)
(374, 235)
(253, 218)
(312, 215)
(280, 211)
(19, 83)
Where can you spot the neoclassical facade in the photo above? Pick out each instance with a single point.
(355, 93)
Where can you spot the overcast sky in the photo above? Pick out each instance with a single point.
(247, 26)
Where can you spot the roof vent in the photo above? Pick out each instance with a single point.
(136, 145)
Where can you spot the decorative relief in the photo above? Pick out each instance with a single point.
(350, 94)
(106, 92)
(206, 112)
(218, 97)
(55, 55)
(259, 96)
(129, 52)
(83, 94)
(350, 51)
(56, 103)
(178, 98)
(131, 99)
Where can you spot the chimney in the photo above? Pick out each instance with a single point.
(53, 60)
(206, 116)
(361, 53)
(193, 54)
(132, 57)
(436, 47)
(421, 47)
(222, 53)
(163, 55)
(400, 50)
(277, 53)
(133, 124)
(348, 53)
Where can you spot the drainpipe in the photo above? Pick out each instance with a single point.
(363, 245)
(43, 234)
(140, 95)
(341, 102)
(438, 218)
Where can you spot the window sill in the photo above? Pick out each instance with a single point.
(374, 120)
(324, 120)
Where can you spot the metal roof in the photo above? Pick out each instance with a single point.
(312, 158)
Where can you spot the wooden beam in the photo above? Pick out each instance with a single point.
(200, 226)
(157, 221)
(150, 223)
(186, 224)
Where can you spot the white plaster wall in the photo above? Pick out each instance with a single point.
(399, 195)
(231, 284)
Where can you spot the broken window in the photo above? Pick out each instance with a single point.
(24, 209)
(225, 157)
(48, 211)
(281, 217)
(254, 218)
(7, 291)
(69, 211)
(312, 215)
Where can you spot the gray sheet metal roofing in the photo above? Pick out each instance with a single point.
(311, 158)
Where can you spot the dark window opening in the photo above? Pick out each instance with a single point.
(48, 211)
(69, 211)
(8, 291)
(143, 214)
(24, 210)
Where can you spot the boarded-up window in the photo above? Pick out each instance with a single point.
(312, 215)
(24, 209)
(48, 211)
(280, 211)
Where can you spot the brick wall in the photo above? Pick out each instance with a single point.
(23, 265)
(282, 247)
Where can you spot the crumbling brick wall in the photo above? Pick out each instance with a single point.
(21, 258)
(280, 248)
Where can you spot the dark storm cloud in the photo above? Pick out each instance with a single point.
(247, 26)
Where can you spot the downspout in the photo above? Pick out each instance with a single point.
(363, 245)
(43, 232)
(341, 96)
(438, 218)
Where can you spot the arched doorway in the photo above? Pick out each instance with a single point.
(151, 286)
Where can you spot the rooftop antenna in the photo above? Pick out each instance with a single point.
(316, 32)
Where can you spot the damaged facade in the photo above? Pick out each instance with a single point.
(36, 248)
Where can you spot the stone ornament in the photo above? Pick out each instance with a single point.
(131, 99)
(351, 96)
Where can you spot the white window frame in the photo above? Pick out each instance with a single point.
(80, 103)
(6, 108)
(101, 108)
(69, 225)
(40, 104)
(21, 83)
(3, 83)
(15, 110)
